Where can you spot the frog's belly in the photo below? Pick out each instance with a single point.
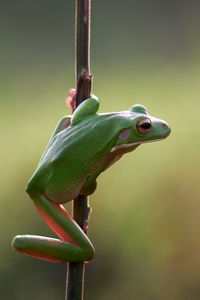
(64, 193)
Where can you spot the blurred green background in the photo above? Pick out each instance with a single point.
(145, 221)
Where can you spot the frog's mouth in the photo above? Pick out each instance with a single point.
(129, 145)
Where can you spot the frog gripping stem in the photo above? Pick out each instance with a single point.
(82, 146)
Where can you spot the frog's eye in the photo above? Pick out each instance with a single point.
(143, 126)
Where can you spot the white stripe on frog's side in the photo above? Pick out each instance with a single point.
(128, 145)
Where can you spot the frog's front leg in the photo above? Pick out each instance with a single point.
(91, 184)
(74, 245)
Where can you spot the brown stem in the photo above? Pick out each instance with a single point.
(81, 209)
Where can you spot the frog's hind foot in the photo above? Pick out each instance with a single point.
(74, 245)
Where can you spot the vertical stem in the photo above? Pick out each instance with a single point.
(82, 41)
(81, 210)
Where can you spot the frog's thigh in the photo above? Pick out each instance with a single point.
(89, 187)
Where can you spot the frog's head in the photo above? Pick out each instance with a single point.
(142, 128)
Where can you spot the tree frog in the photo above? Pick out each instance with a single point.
(82, 146)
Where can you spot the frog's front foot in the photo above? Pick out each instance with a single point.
(71, 99)
(89, 187)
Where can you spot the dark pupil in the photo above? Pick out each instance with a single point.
(146, 125)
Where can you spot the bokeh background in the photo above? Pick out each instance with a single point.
(145, 220)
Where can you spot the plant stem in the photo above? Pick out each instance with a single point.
(82, 40)
(81, 210)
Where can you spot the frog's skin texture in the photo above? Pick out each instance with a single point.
(82, 146)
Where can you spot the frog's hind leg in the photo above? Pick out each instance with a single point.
(74, 245)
